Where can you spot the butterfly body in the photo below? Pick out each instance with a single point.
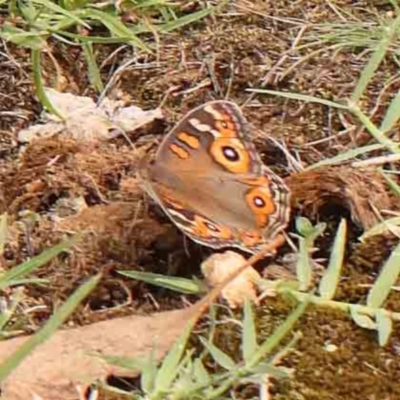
(211, 182)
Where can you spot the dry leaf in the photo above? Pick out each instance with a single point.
(85, 121)
(220, 265)
(66, 360)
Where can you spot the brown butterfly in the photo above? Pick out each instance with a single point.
(211, 182)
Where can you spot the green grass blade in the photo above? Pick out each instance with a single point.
(18, 272)
(348, 155)
(392, 114)
(149, 374)
(186, 20)
(249, 335)
(377, 134)
(274, 340)
(117, 28)
(384, 327)
(220, 357)
(378, 229)
(49, 328)
(174, 283)
(94, 72)
(373, 63)
(3, 232)
(394, 187)
(30, 39)
(8, 313)
(200, 373)
(386, 279)
(59, 10)
(330, 280)
(303, 265)
(301, 97)
(170, 367)
(40, 91)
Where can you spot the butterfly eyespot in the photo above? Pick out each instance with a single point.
(230, 153)
(224, 124)
(259, 202)
(211, 227)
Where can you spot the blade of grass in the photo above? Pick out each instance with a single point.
(170, 366)
(392, 114)
(394, 187)
(219, 356)
(3, 232)
(117, 28)
(373, 63)
(384, 326)
(94, 72)
(348, 155)
(381, 228)
(186, 20)
(301, 97)
(330, 280)
(49, 328)
(174, 283)
(40, 91)
(18, 272)
(386, 279)
(59, 10)
(273, 341)
(249, 336)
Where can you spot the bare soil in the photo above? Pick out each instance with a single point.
(249, 45)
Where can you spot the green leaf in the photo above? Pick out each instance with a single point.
(54, 322)
(384, 326)
(392, 114)
(330, 280)
(386, 279)
(270, 369)
(249, 336)
(362, 320)
(174, 283)
(301, 97)
(220, 357)
(304, 226)
(130, 363)
(9, 277)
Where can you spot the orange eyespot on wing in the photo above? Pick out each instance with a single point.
(179, 151)
(261, 203)
(190, 140)
(231, 155)
(207, 230)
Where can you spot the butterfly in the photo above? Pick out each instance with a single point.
(209, 179)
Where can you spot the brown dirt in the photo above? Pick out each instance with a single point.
(248, 46)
